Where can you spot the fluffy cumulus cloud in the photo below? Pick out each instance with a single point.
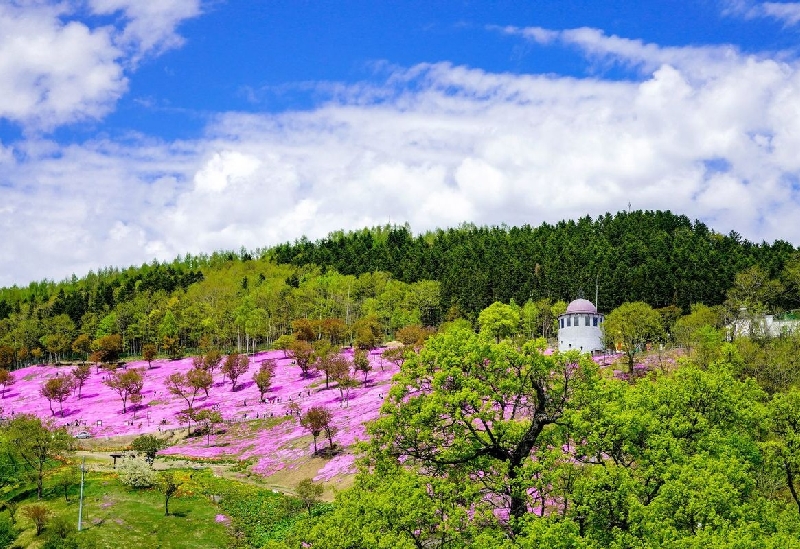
(56, 67)
(709, 132)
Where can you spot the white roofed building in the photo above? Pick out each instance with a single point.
(580, 327)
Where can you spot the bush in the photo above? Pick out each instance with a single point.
(136, 473)
(7, 532)
(38, 514)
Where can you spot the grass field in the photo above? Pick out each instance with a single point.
(116, 516)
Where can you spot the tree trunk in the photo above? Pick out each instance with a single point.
(790, 482)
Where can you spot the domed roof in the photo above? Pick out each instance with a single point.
(581, 306)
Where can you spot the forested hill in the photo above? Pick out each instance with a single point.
(652, 256)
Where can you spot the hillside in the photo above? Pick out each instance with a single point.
(265, 434)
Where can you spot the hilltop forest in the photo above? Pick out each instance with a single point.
(384, 278)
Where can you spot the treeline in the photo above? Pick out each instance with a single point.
(657, 257)
(247, 299)
(234, 303)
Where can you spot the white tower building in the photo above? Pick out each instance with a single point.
(580, 327)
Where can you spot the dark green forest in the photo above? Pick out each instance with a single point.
(652, 256)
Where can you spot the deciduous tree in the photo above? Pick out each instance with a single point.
(303, 354)
(309, 493)
(318, 419)
(263, 377)
(466, 405)
(149, 352)
(80, 374)
(58, 389)
(126, 383)
(362, 364)
(6, 379)
(630, 327)
(35, 442)
(168, 484)
(234, 367)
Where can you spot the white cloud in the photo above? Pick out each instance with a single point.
(150, 26)
(787, 13)
(56, 68)
(709, 132)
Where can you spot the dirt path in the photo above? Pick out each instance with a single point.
(282, 481)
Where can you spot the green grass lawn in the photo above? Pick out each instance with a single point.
(118, 517)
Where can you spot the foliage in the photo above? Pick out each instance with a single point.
(80, 374)
(361, 363)
(303, 354)
(38, 514)
(499, 320)
(630, 327)
(467, 405)
(309, 492)
(126, 383)
(234, 367)
(168, 483)
(107, 348)
(136, 473)
(34, 443)
(318, 419)
(58, 388)
(148, 445)
(6, 379)
(263, 377)
(149, 353)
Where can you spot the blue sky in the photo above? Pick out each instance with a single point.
(136, 130)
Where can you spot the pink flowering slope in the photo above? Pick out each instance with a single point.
(272, 444)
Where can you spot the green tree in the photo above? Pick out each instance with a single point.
(168, 484)
(149, 446)
(107, 348)
(361, 363)
(456, 408)
(149, 353)
(499, 320)
(630, 327)
(309, 493)
(284, 343)
(209, 418)
(82, 345)
(263, 377)
(35, 443)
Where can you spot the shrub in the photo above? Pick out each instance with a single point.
(7, 532)
(38, 514)
(136, 473)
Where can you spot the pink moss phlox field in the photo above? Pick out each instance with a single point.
(99, 410)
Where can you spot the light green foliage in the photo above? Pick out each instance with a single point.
(630, 327)
(168, 483)
(107, 326)
(148, 446)
(136, 473)
(499, 320)
(309, 492)
(33, 443)
(457, 406)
